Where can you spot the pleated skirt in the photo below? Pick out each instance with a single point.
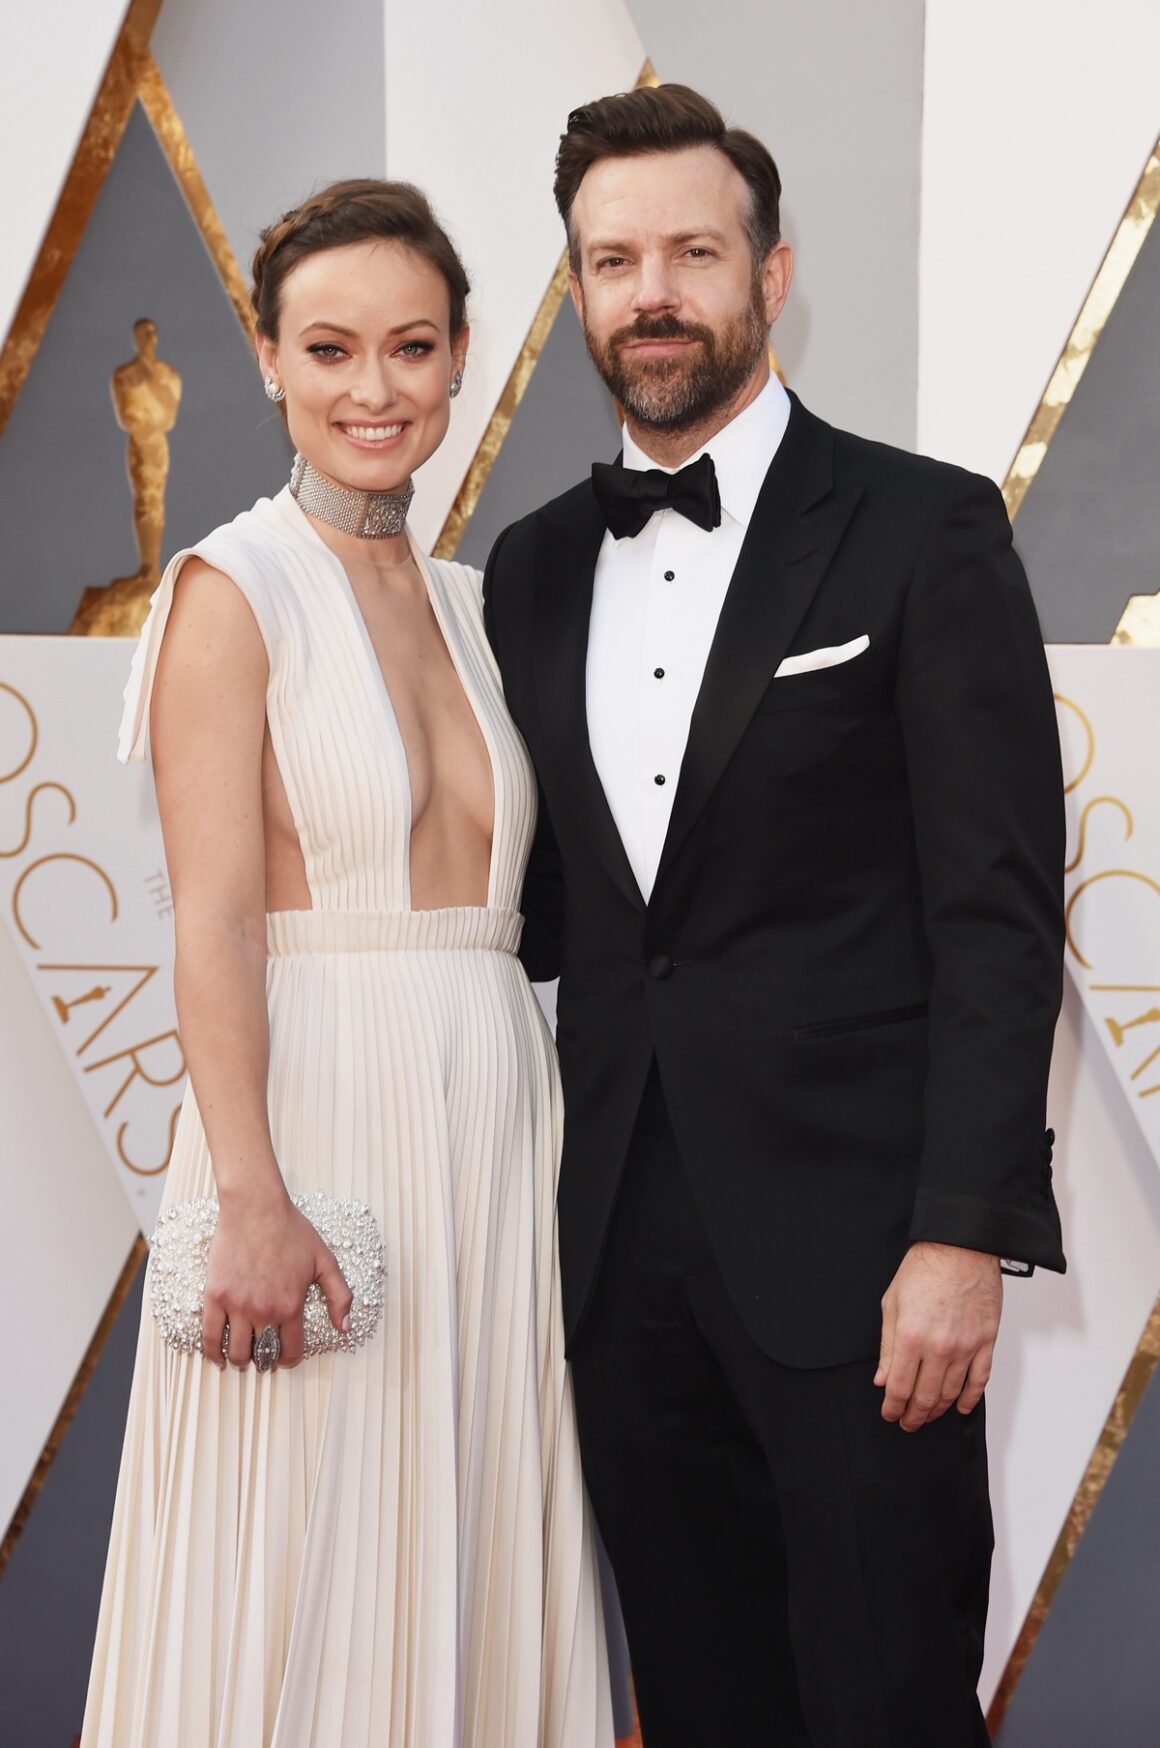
(386, 1549)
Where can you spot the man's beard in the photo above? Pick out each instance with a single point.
(678, 393)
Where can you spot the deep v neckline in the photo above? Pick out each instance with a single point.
(449, 632)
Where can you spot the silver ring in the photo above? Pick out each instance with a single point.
(226, 1339)
(267, 1347)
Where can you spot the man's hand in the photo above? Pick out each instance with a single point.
(940, 1318)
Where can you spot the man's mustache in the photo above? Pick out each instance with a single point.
(661, 328)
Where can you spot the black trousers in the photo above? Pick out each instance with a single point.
(794, 1572)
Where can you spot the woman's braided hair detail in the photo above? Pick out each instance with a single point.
(360, 210)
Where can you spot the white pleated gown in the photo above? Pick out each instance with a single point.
(386, 1549)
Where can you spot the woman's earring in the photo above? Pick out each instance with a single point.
(273, 392)
(456, 384)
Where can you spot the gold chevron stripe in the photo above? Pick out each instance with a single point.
(71, 1402)
(1073, 360)
(95, 153)
(1097, 307)
(92, 160)
(513, 392)
(499, 424)
(1128, 1398)
(167, 125)
(131, 74)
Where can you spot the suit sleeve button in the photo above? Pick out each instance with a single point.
(660, 966)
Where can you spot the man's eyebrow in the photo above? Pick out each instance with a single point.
(704, 233)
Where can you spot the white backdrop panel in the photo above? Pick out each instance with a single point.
(1109, 700)
(1038, 118)
(67, 1227)
(476, 101)
(86, 899)
(1066, 1342)
(50, 67)
(277, 97)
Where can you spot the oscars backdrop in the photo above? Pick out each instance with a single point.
(148, 147)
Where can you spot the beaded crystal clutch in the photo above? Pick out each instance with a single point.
(179, 1259)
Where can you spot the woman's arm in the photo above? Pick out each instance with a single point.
(207, 728)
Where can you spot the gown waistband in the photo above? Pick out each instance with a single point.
(296, 932)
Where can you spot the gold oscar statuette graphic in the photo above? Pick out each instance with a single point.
(64, 1008)
(1118, 1027)
(146, 397)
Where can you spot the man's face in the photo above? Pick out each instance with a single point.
(675, 316)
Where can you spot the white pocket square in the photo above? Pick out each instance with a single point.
(823, 658)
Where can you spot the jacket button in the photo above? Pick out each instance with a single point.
(660, 967)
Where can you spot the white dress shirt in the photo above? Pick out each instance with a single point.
(656, 601)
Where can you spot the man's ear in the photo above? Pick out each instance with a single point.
(776, 276)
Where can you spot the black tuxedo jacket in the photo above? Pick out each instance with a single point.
(850, 967)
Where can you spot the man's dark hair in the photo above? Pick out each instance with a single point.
(665, 118)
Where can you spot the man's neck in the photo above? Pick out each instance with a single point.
(673, 448)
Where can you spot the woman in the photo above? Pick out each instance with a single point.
(387, 1548)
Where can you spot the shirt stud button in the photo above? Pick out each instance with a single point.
(659, 781)
(670, 576)
(658, 673)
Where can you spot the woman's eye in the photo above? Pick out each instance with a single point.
(415, 348)
(325, 349)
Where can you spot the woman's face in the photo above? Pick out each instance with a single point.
(365, 354)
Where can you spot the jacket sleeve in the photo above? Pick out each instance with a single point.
(542, 902)
(982, 750)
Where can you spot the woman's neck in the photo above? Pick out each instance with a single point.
(363, 518)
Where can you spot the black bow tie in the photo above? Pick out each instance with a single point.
(627, 497)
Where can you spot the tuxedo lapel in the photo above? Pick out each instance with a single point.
(797, 523)
(562, 613)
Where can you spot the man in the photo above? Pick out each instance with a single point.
(799, 865)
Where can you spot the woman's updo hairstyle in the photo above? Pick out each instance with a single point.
(359, 211)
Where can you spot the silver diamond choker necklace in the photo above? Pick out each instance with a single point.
(366, 515)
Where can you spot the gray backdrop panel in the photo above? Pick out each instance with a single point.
(1088, 528)
(65, 504)
(1094, 1676)
(835, 91)
(1088, 534)
(52, 1588)
(564, 423)
(292, 91)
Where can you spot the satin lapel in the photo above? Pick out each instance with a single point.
(562, 612)
(798, 521)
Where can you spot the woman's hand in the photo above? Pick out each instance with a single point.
(264, 1256)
